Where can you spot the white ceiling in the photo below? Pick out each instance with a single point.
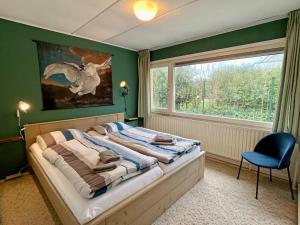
(113, 21)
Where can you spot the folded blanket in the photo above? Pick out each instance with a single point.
(108, 161)
(163, 138)
(141, 140)
(109, 156)
(77, 158)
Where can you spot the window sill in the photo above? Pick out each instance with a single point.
(216, 119)
(160, 110)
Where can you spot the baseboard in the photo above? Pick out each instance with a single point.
(14, 176)
(246, 165)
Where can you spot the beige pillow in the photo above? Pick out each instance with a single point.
(100, 129)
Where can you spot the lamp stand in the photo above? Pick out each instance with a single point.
(19, 117)
(125, 109)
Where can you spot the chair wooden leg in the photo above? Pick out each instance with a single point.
(270, 174)
(288, 169)
(238, 176)
(257, 180)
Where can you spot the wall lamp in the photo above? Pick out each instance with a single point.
(124, 87)
(125, 92)
(22, 107)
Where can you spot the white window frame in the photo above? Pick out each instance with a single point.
(226, 52)
(169, 101)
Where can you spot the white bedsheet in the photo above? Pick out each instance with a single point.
(183, 160)
(87, 209)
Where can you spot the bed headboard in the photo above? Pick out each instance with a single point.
(84, 123)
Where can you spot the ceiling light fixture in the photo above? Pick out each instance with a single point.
(145, 10)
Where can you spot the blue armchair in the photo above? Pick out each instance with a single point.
(273, 152)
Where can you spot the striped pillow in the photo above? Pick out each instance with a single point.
(115, 127)
(56, 137)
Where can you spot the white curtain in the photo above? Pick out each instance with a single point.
(144, 83)
(288, 109)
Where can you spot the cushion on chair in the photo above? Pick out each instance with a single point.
(261, 160)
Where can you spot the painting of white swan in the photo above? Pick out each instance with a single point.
(73, 77)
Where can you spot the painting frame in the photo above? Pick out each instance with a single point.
(73, 77)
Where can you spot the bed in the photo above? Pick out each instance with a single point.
(180, 152)
(86, 209)
(141, 207)
(166, 168)
(183, 160)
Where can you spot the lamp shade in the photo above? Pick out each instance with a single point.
(123, 84)
(124, 88)
(145, 10)
(23, 106)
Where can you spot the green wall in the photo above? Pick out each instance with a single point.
(262, 32)
(19, 75)
(19, 79)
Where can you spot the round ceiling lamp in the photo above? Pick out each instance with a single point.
(145, 10)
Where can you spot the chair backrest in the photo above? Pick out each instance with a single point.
(279, 145)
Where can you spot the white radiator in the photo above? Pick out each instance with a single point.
(223, 140)
(216, 138)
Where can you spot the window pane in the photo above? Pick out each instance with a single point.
(159, 81)
(244, 88)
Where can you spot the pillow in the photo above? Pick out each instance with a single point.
(115, 127)
(56, 137)
(100, 129)
(95, 134)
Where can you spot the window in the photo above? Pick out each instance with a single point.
(242, 88)
(159, 87)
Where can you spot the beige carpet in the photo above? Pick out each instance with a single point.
(221, 199)
(217, 199)
(23, 202)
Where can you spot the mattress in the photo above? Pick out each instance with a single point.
(87, 209)
(181, 161)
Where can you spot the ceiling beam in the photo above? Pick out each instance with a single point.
(94, 17)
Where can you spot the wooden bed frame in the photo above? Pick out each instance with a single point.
(143, 207)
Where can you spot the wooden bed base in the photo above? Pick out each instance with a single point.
(143, 207)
